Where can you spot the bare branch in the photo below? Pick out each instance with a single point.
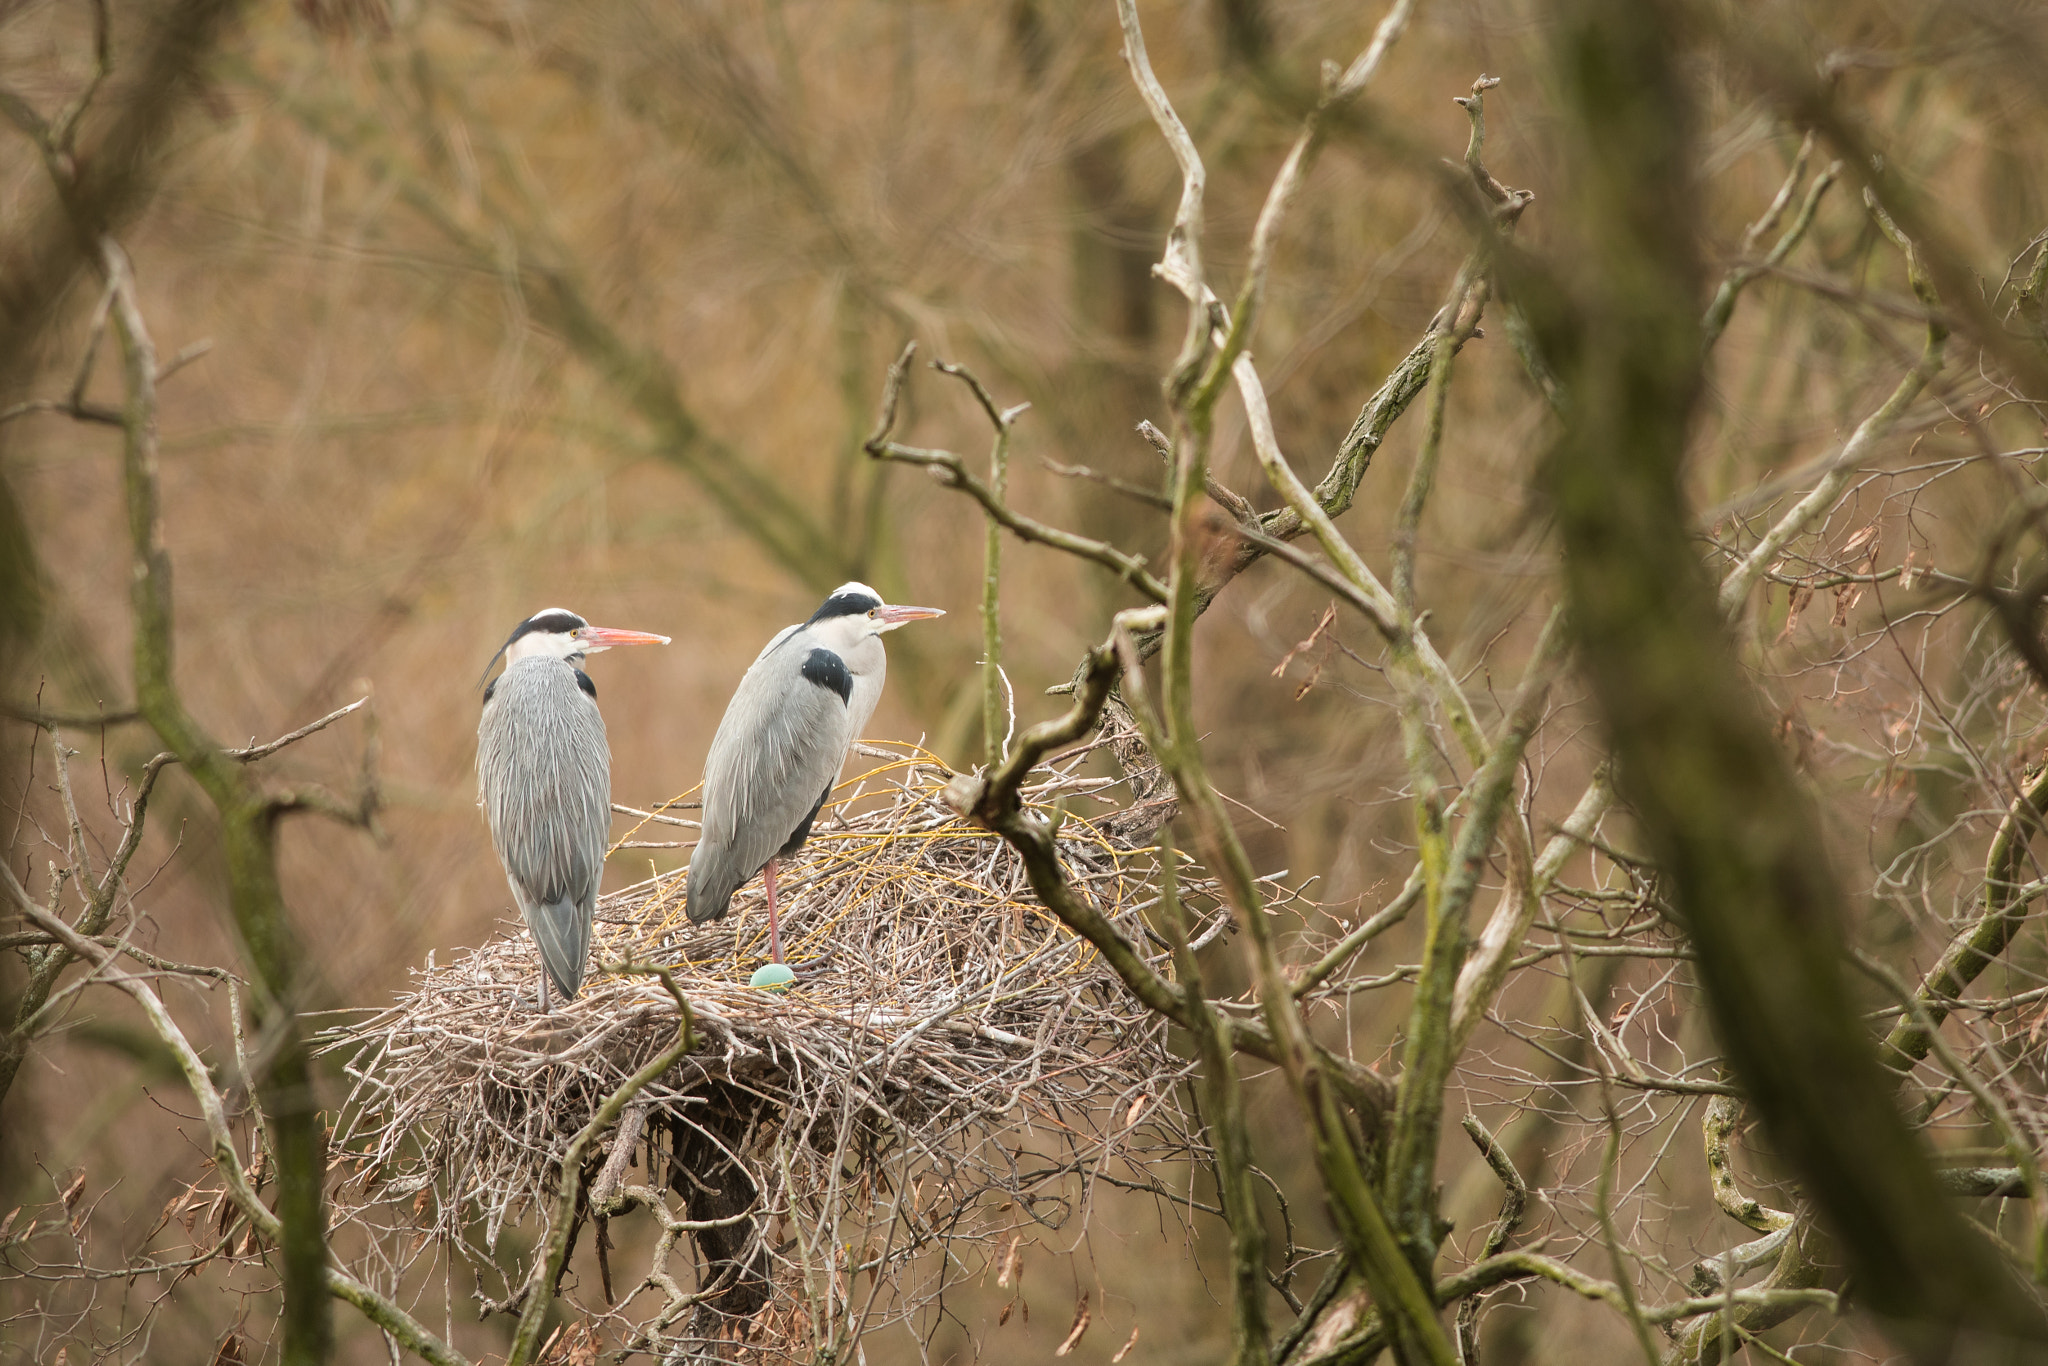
(949, 470)
(1514, 1199)
(1739, 277)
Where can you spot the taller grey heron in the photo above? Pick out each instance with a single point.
(544, 776)
(779, 748)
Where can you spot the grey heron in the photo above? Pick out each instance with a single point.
(544, 779)
(780, 745)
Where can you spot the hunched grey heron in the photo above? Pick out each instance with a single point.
(544, 779)
(782, 741)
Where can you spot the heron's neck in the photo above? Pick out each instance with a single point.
(865, 657)
(850, 638)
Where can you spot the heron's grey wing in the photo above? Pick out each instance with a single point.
(544, 772)
(766, 650)
(777, 751)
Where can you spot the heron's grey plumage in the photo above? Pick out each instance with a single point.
(782, 741)
(775, 756)
(544, 772)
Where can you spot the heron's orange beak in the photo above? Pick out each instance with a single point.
(595, 638)
(893, 616)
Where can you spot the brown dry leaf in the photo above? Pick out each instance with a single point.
(178, 1204)
(1909, 574)
(1137, 1109)
(192, 1214)
(1081, 1317)
(1323, 623)
(1012, 1261)
(229, 1353)
(247, 1245)
(578, 1346)
(1795, 604)
(1125, 1350)
(1846, 597)
(419, 1202)
(7, 1224)
(73, 1191)
(1004, 1316)
(1861, 538)
(1623, 1015)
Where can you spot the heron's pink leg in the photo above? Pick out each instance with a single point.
(774, 934)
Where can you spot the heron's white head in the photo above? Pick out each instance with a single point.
(558, 633)
(856, 612)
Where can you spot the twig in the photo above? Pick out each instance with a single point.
(1835, 476)
(994, 733)
(1738, 277)
(1371, 928)
(1514, 1198)
(606, 1188)
(547, 1265)
(952, 472)
(378, 1309)
(75, 720)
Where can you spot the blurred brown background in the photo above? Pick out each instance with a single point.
(514, 306)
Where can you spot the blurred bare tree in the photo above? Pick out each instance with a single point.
(1632, 525)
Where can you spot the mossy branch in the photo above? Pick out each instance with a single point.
(249, 843)
(1979, 945)
(1223, 1112)
(1430, 1052)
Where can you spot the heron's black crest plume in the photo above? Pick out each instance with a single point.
(849, 601)
(549, 619)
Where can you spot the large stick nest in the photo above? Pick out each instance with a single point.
(953, 1063)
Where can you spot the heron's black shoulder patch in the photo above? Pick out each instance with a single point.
(828, 670)
(583, 682)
